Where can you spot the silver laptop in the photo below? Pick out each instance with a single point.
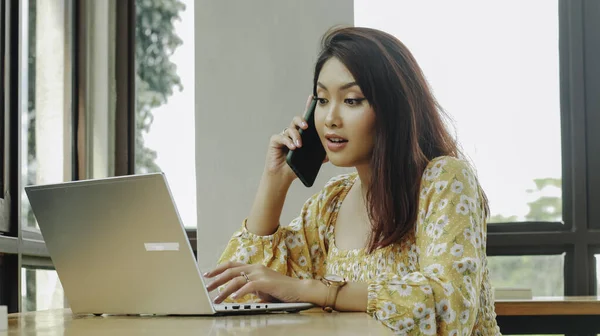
(119, 247)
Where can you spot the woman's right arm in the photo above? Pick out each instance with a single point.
(276, 180)
(268, 204)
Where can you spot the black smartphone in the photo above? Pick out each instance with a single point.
(306, 161)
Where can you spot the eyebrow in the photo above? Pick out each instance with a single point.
(343, 87)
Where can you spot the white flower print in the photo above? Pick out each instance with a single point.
(453, 333)
(468, 233)
(429, 229)
(457, 187)
(242, 257)
(295, 225)
(402, 270)
(435, 269)
(457, 250)
(440, 164)
(415, 277)
(464, 317)
(389, 307)
(429, 211)
(430, 174)
(322, 229)
(382, 315)
(420, 310)
(438, 230)
(462, 208)
(299, 238)
(302, 261)
(391, 259)
(442, 221)
(430, 248)
(444, 310)
(427, 326)
(424, 192)
(421, 218)
(439, 249)
(466, 332)
(443, 204)
(290, 241)
(476, 240)
(470, 201)
(472, 264)
(468, 281)
(460, 266)
(448, 288)
(314, 249)
(404, 289)
(405, 325)
(427, 289)
(440, 186)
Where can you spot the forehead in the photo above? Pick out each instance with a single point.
(334, 74)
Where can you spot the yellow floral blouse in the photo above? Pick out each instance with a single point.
(436, 281)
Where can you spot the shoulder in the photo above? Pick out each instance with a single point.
(334, 187)
(338, 184)
(444, 167)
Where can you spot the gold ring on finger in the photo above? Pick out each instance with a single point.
(245, 276)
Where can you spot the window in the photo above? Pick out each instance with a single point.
(597, 266)
(514, 78)
(542, 274)
(46, 132)
(499, 82)
(41, 290)
(165, 138)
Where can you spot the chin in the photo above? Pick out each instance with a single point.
(342, 161)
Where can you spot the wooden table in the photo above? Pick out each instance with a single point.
(310, 322)
(580, 315)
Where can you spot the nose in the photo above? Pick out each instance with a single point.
(333, 118)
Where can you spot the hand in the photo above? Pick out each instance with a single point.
(268, 285)
(281, 143)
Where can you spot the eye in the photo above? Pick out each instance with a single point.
(322, 101)
(354, 101)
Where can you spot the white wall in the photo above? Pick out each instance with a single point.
(254, 67)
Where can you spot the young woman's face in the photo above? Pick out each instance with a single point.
(343, 117)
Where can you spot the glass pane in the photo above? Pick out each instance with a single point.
(496, 73)
(544, 275)
(41, 290)
(45, 142)
(165, 137)
(597, 256)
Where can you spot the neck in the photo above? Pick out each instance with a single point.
(364, 174)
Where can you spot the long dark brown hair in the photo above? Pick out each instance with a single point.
(409, 126)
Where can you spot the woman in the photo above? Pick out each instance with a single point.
(403, 238)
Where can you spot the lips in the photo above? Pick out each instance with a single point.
(335, 138)
(335, 142)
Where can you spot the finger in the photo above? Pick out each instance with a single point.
(293, 133)
(247, 288)
(282, 140)
(308, 101)
(298, 122)
(227, 275)
(222, 267)
(233, 286)
(287, 141)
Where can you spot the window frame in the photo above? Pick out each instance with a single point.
(576, 236)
